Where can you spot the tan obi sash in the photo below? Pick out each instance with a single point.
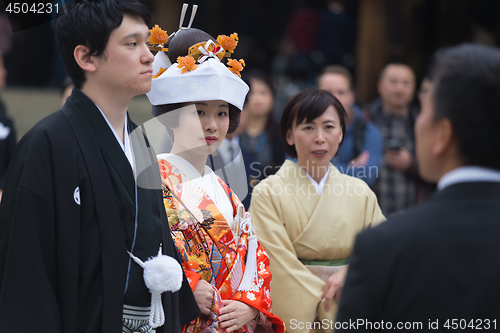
(324, 268)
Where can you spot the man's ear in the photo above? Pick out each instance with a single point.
(445, 138)
(83, 58)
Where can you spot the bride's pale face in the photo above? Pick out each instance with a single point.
(202, 126)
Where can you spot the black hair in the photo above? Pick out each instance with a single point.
(337, 69)
(178, 44)
(257, 75)
(90, 23)
(466, 90)
(396, 64)
(308, 104)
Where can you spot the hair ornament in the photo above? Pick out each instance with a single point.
(228, 43)
(236, 66)
(201, 74)
(187, 64)
(183, 14)
(157, 39)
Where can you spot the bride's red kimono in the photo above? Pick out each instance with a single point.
(209, 251)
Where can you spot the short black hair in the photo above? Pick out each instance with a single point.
(394, 64)
(466, 90)
(90, 23)
(308, 104)
(337, 69)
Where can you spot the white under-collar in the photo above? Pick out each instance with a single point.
(127, 147)
(321, 185)
(467, 174)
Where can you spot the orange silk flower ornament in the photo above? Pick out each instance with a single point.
(187, 63)
(160, 72)
(158, 36)
(228, 43)
(236, 66)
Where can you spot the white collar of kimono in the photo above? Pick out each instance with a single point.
(127, 147)
(469, 174)
(321, 185)
(208, 182)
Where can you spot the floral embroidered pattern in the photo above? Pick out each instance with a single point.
(208, 250)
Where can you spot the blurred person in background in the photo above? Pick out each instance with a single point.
(361, 152)
(308, 213)
(260, 136)
(7, 131)
(395, 116)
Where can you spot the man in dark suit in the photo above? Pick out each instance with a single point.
(436, 267)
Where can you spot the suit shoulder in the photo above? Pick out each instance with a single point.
(403, 228)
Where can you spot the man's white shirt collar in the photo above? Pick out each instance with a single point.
(467, 174)
(127, 147)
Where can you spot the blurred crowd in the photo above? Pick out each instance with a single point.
(317, 50)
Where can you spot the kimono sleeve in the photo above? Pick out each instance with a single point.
(28, 270)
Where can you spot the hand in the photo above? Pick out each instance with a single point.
(235, 315)
(333, 288)
(204, 295)
(398, 160)
(361, 160)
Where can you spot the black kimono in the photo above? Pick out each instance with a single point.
(68, 218)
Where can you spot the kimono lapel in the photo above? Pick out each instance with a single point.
(302, 188)
(321, 210)
(196, 201)
(108, 216)
(106, 140)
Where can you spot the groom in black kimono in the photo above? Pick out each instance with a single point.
(71, 206)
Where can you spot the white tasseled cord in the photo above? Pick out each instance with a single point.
(251, 267)
(157, 315)
(161, 273)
